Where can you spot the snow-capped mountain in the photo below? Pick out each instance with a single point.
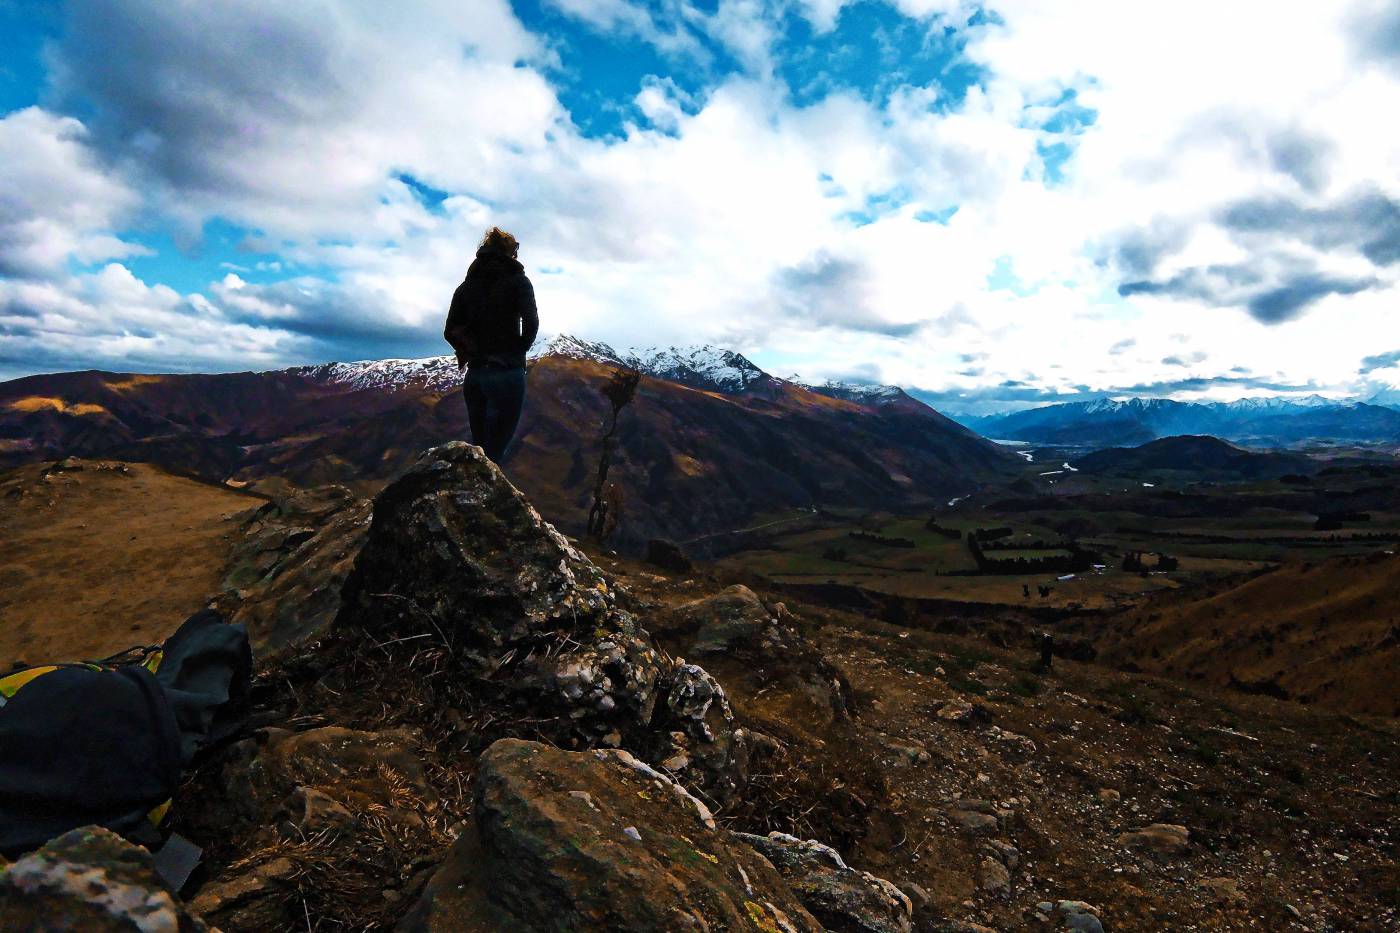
(1282, 403)
(694, 462)
(704, 366)
(576, 348)
(863, 393)
(1387, 397)
(1273, 421)
(434, 372)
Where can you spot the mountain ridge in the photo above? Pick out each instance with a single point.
(1269, 421)
(712, 441)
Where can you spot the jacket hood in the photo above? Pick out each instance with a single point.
(493, 262)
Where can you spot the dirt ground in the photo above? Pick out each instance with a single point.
(959, 771)
(1290, 810)
(98, 556)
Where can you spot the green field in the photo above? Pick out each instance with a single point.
(1211, 529)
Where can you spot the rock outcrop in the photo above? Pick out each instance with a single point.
(597, 841)
(843, 899)
(455, 552)
(732, 618)
(285, 577)
(90, 879)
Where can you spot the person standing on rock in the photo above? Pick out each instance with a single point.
(491, 324)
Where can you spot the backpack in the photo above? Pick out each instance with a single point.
(107, 742)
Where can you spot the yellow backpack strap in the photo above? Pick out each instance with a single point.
(10, 684)
(157, 813)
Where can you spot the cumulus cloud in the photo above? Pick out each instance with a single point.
(1048, 229)
(292, 118)
(57, 201)
(833, 291)
(110, 319)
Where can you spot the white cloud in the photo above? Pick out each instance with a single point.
(56, 201)
(109, 318)
(729, 216)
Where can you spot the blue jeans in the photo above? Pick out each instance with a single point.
(494, 399)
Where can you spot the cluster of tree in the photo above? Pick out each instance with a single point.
(983, 535)
(1136, 562)
(950, 533)
(1335, 521)
(835, 553)
(1037, 545)
(1075, 560)
(882, 539)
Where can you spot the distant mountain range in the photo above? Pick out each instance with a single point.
(1266, 422)
(711, 444)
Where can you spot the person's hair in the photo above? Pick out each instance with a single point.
(500, 241)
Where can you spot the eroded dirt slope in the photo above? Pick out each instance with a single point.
(1325, 633)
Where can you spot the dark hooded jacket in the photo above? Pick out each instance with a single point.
(493, 320)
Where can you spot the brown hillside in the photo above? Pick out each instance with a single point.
(1327, 633)
(690, 461)
(98, 556)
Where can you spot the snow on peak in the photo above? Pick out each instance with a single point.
(1280, 402)
(1103, 405)
(704, 366)
(863, 392)
(575, 348)
(435, 372)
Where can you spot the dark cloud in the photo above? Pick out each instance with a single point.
(1137, 252)
(1367, 222)
(1290, 300)
(1273, 284)
(1375, 32)
(189, 87)
(1273, 296)
(829, 290)
(1379, 361)
(344, 323)
(1304, 156)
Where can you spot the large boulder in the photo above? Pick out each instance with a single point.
(456, 553)
(844, 899)
(90, 879)
(732, 618)
(456, 549)
(736, 633)
(597, 840)
(287, 570)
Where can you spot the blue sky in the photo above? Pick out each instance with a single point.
(997, 204)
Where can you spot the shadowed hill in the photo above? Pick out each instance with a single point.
(1207, 457)
(695, 457)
